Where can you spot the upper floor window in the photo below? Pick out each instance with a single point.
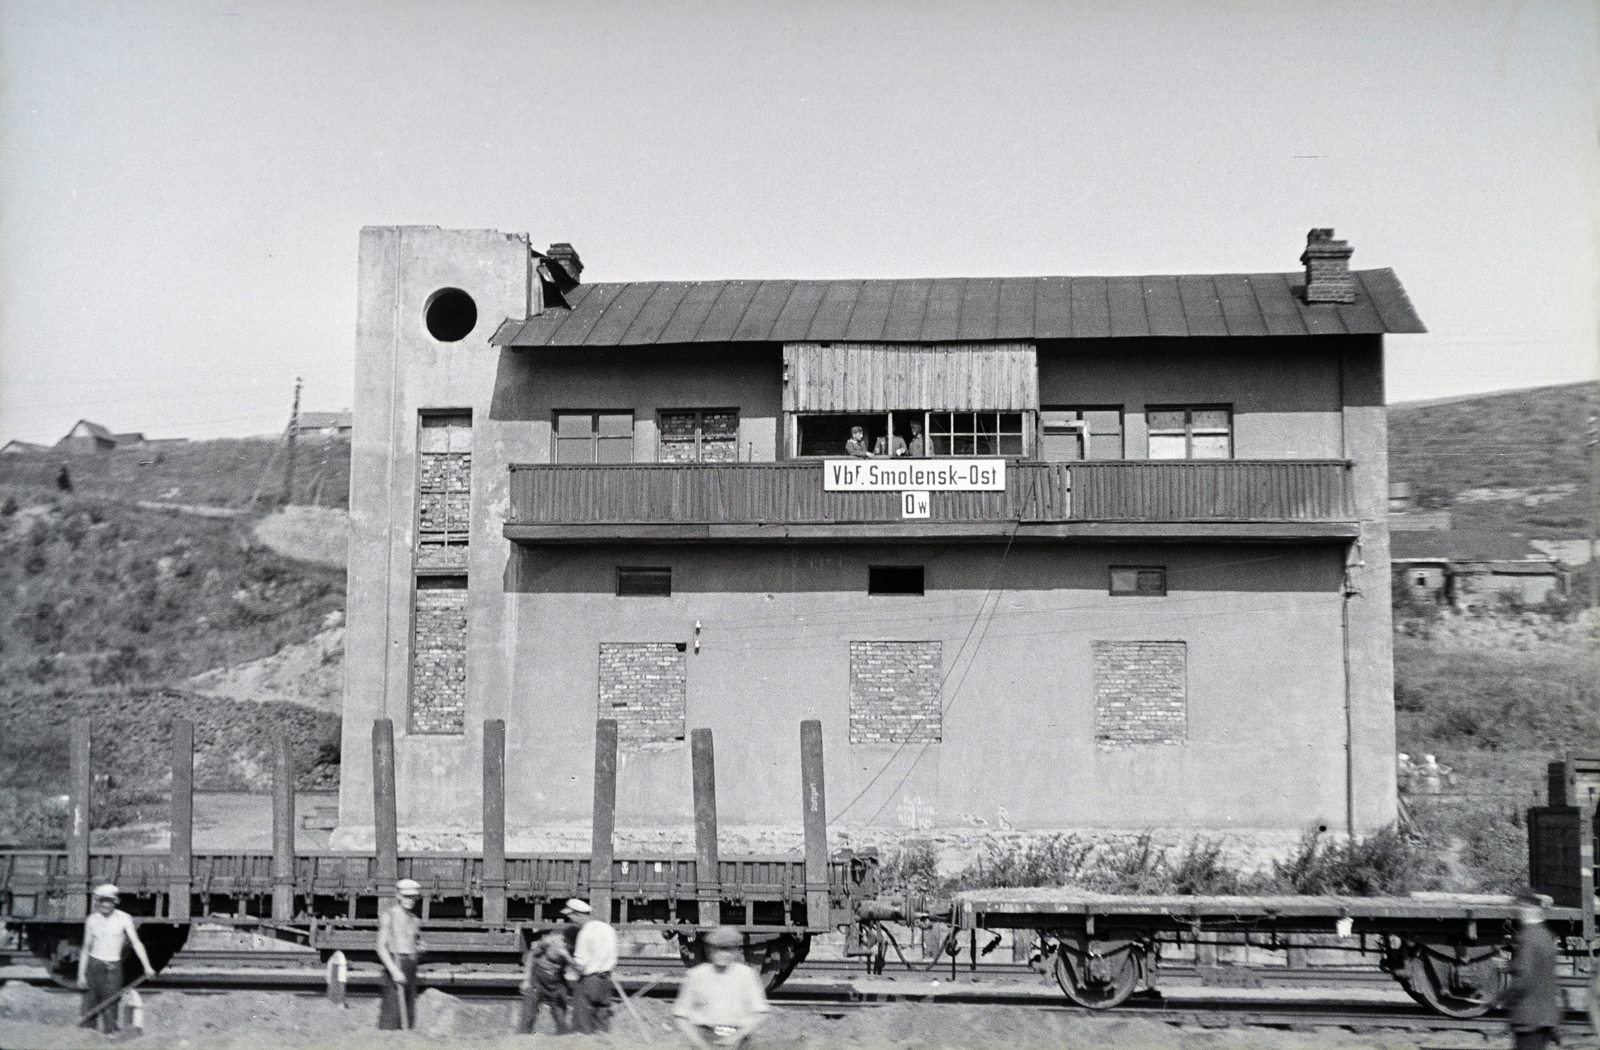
(1080, 433)
(916, 434)
(699, 436)
(604, 436)
(1190, 432)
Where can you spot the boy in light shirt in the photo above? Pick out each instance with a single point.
(720, 1002)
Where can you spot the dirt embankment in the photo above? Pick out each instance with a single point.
(33, 1017)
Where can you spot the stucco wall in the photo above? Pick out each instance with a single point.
(534, 384)
(1265, 744)
(1285, 393)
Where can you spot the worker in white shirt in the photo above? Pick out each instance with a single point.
(106, 932)
(720, 1002)
(399, 946)
(594, 956)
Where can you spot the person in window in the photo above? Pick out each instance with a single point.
(918, 447)
(857, 445)
(892, 445)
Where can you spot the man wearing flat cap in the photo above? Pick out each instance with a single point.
(594, 956)
(106, 933)
(399, 945)
(720, 1002)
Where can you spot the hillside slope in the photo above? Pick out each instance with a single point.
(105, 610)
(220, 473)
(1511, 461)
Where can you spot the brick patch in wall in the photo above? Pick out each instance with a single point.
(439, 656)
(894, 692)
(1140, 694)
(445, 486)
(642, 686)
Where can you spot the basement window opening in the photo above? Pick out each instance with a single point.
(894, 579)
(638, 582)
(1148, 581)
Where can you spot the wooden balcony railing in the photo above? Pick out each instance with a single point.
(791, 493)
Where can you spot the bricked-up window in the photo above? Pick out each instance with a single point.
(894, 579)
(642, 686)
(444, 484)
(1140, 694)
(635, 582)
(1199, 432)
(700, 436)
(595, 436)
(1142, 580)
(1080, 433)
(439, 655)
(894, 692)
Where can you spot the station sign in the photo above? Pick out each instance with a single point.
(918, 475)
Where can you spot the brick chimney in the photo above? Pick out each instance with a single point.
(564, 265)
(1327, 262)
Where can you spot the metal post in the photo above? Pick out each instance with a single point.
(78, 835)
(385, 824)
(605, 817)
(814, 817)
(282, 830)
(180, 868)
(708, 884)
(494, 820)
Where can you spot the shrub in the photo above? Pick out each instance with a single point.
(1384, 864)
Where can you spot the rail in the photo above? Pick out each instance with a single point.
(793, 493)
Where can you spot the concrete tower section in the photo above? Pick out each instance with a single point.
(408, 374)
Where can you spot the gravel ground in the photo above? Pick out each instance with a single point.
(38, 1017)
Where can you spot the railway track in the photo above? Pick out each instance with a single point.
(835, 987)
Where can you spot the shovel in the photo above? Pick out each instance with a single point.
(127, 987)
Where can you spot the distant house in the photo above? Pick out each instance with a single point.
(1404, 515)
(87, 437)
(128, 440)
(21, 448)
(324, 424)
(1466, 567)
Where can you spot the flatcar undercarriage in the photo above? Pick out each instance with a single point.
(1449, 954)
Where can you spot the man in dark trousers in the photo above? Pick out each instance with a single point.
(544, 979)
(1533, 996)
(399, 945)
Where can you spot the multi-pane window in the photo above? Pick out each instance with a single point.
(594, 436)
(1080, 433)
(974, 433)
(700, 436)
(1199, 432)
(916, 434)
(1139, 580)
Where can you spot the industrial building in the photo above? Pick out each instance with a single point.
(1132, 570)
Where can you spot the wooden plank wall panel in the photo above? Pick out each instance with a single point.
(888, 378)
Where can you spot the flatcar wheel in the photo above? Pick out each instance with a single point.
(1099, 977)
(1454, 988)
(780, 957)
(64, 963)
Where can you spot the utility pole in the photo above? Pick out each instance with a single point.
(294, 431)
(1592, 446)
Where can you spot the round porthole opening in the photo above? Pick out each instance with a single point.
(451, 315)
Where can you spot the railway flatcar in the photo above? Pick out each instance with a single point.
(1449, 954)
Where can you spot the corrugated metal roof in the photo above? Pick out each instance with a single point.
(959, 309)
(1461, 545)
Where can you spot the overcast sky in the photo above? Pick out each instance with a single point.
(183, 182)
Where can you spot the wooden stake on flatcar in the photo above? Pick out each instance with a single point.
(494, 820)
(604, 823)
(82, 783)
(708, 884)
(283, 860)
(384, 815)
(180, 869)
